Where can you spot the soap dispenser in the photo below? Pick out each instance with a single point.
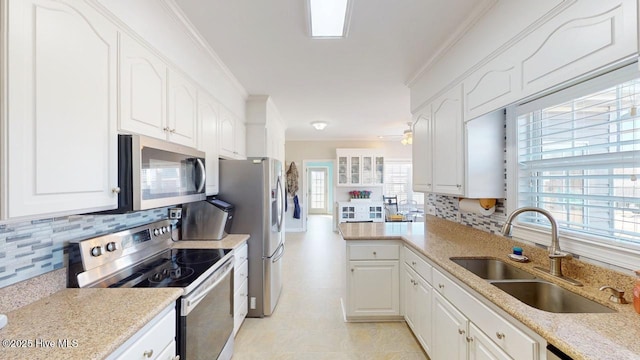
(636, 293)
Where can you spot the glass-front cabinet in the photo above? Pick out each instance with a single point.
(360, 167)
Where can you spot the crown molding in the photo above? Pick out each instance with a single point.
(181, 18)
(478, 12)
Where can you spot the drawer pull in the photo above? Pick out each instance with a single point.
(374, 253)
(351, 269)
(441, 286)
(461, 332)
(500, 335)
(469, 339)
(148, 353)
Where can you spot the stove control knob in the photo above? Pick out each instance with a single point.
(96, 251)
(166, 229)
(156, 232)
(162, 230)
(112, 246)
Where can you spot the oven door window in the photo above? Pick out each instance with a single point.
(208, 326)
(165, 174)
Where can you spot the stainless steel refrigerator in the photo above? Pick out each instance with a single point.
(256, 188)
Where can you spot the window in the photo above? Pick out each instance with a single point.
(578, 156)
(397, 181)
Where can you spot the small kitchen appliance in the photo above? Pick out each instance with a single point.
(143, 257)
(207, 220)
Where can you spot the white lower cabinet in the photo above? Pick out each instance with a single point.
(156, 340)
(373, 280)
(452, 323)
(240, 286)
(449, 341)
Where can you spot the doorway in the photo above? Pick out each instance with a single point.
(318, 190)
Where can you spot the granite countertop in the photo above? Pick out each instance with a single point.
(98, 321)
(230, 241)
(581, 336)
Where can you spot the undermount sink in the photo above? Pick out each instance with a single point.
(550, 297)
(492, 269)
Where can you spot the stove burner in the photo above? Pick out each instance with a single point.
(197, 257)
(173, 273)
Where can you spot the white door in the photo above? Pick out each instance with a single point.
(373, 288)
(318, 191)
(449, 337)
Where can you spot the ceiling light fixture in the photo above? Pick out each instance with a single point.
(319, 125)
(407, 137)
(329, 18)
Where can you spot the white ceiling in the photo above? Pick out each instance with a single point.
(356, 84)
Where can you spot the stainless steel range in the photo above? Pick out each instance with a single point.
(142, 257)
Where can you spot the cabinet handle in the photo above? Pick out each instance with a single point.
(461, 332)
(172, 130)
(458, 186)
(413, 263)
(351, 269)
(374, 253)
(166, 129)
(469, 339)
(116, 190)
(148, 353)
(441, 286)
(500, 335)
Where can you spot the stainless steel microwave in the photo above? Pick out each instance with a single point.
(153, 173)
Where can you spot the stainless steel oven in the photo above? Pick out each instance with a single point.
(206, 318)
(154, 173)
(143, 257)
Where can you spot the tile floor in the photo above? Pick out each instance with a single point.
(308, 321)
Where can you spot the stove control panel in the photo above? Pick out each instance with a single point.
(104, 249)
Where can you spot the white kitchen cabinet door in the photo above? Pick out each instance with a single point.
(448, 143)
(417, 307)
(143, 90)
(241, 139)
(482, 348)
(409, 279)
(208, 114)
(422, 152)
(232, 136)
(374, 288)
(450, 325)
(61, 123)
(182, 117)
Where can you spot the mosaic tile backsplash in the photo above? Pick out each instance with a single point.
(447, 208)
(35, 247)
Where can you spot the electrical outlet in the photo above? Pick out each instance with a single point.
(175, 213)
(431, 210)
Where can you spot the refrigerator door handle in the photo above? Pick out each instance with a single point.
(280, 204)
(278, 254)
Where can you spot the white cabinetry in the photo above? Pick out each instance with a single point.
(373, 281)
(240, 286)
(265, 128)
(360, 167)
(422, 152)
(232, 136)
(361, 211)
(208, 115)
(448, 145)
(61, 102)
(156, 340)
(155, 100)
(183, 110)
(449, 340)
(482, 348)
(417, 306)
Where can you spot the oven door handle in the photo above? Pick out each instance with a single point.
(190, 303)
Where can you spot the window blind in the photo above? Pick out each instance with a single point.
(397, 181)
(580, 159)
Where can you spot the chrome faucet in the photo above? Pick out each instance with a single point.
(555, 254)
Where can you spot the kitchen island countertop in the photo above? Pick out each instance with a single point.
(94, 322)
(581, 336)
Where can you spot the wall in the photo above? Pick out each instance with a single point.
(32, 248)
(298, 151)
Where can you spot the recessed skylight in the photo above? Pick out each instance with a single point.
(328, 18)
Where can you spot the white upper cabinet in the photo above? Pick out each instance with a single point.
(182, 119)
(584, 37)
(360, 167)
(422, 151)
(231, 136)
(61, 138)
(155, 100)
(265, 129)
(143, 90)
(208, 115)
(448, 143)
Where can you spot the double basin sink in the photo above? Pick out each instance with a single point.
(527, 288)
